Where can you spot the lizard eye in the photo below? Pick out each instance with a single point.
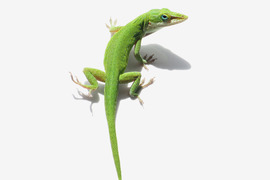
(164, 17)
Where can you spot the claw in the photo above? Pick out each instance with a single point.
(110, 21)
(140, 100)
(72, 78)
(142, 82)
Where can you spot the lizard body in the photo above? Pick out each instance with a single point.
(115, 63)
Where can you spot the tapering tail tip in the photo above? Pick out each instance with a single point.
(114, 146)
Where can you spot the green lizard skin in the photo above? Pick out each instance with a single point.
(115, 63)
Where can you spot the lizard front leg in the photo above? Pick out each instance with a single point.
(92, 75)
(138, 56)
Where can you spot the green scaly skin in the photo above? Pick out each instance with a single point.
(115, 63)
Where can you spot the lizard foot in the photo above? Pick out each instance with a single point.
(151, 81)
(142, 86)
(76, 81)
(112, 27)
(89, 95)
(149, 59)
(112, 24)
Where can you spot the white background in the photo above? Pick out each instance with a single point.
(205, 117)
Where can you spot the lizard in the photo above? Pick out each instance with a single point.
(115, 62)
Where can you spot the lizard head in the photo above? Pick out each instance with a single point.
(159, 18)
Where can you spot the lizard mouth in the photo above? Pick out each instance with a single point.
(178, 19)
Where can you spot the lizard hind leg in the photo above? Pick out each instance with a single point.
(137, 85)
(92, 75)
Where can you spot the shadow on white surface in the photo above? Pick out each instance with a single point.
(165, 60)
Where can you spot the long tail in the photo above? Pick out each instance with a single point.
(111, 93)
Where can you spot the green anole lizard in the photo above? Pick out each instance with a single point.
(115, 63)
